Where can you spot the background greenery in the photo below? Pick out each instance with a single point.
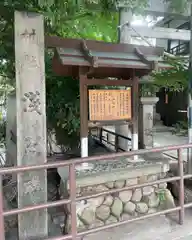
(88, 19)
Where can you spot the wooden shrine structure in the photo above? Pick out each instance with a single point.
(107, 64)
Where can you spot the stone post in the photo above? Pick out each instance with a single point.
(146, 114)
(31, 122)
(124, 37)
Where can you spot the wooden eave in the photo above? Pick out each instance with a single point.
(106, 59)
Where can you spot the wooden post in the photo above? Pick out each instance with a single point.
(135, 112)
(31, 122)
(83, 116)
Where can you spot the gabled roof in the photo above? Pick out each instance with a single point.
(76, 52)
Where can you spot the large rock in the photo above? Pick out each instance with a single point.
(108, 200)
(162, 185)
(131, 181)
(137, 195)
(117, 208)
(109, 185)
(129, 208)
(88, 216)
(80, 206)
(142, 179)
(162, 175)
(148, 190)
(152, 200)
(168, 200)
(142, 207)
(110, 220)
(88, 190)
(96, 223)
(101, 188)
(103, 212)
(152, 210)
(125, 217)
(96, 202)
(125, 196)
(152, 178)
(80, 225)
(119, 184)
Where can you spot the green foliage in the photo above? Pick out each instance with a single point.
(69, 18)
(65, 19)
(2, 134)
(181, 128)
(97, 27)
(161, 195)
(174, 78)
(62, 106)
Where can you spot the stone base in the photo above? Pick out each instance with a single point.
(124, 205)
(84, 166)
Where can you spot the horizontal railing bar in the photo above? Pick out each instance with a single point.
(188, 205)
(111, 156)
(96, 158)
(187, 176)
(67, 201)
(170, 156)
(127, 221)
(116, 134)
(36, 207)
(123, 150)
(128, 188)
(108, 142)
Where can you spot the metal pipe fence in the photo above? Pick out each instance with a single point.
(102, 139)
(73, 199)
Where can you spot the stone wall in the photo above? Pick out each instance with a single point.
(104, 210)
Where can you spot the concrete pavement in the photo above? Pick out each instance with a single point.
(156, 228)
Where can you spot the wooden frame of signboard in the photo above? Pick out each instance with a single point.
(109, 104)
(131, 86)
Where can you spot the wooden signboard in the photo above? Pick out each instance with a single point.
(106, 105)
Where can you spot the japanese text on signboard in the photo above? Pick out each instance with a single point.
(105, 105)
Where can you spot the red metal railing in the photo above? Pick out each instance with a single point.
(72, 199)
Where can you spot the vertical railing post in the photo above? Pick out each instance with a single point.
(2, 229)
(116, 143)
(181, 188)
(107, 138)
(72, 185)
(100, 135)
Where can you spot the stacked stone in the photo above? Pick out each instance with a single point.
(128, 204)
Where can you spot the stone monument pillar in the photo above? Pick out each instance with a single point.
(124, 37)
(147, 114)
(31, 122)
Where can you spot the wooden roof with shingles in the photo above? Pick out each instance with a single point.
(75, 53)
